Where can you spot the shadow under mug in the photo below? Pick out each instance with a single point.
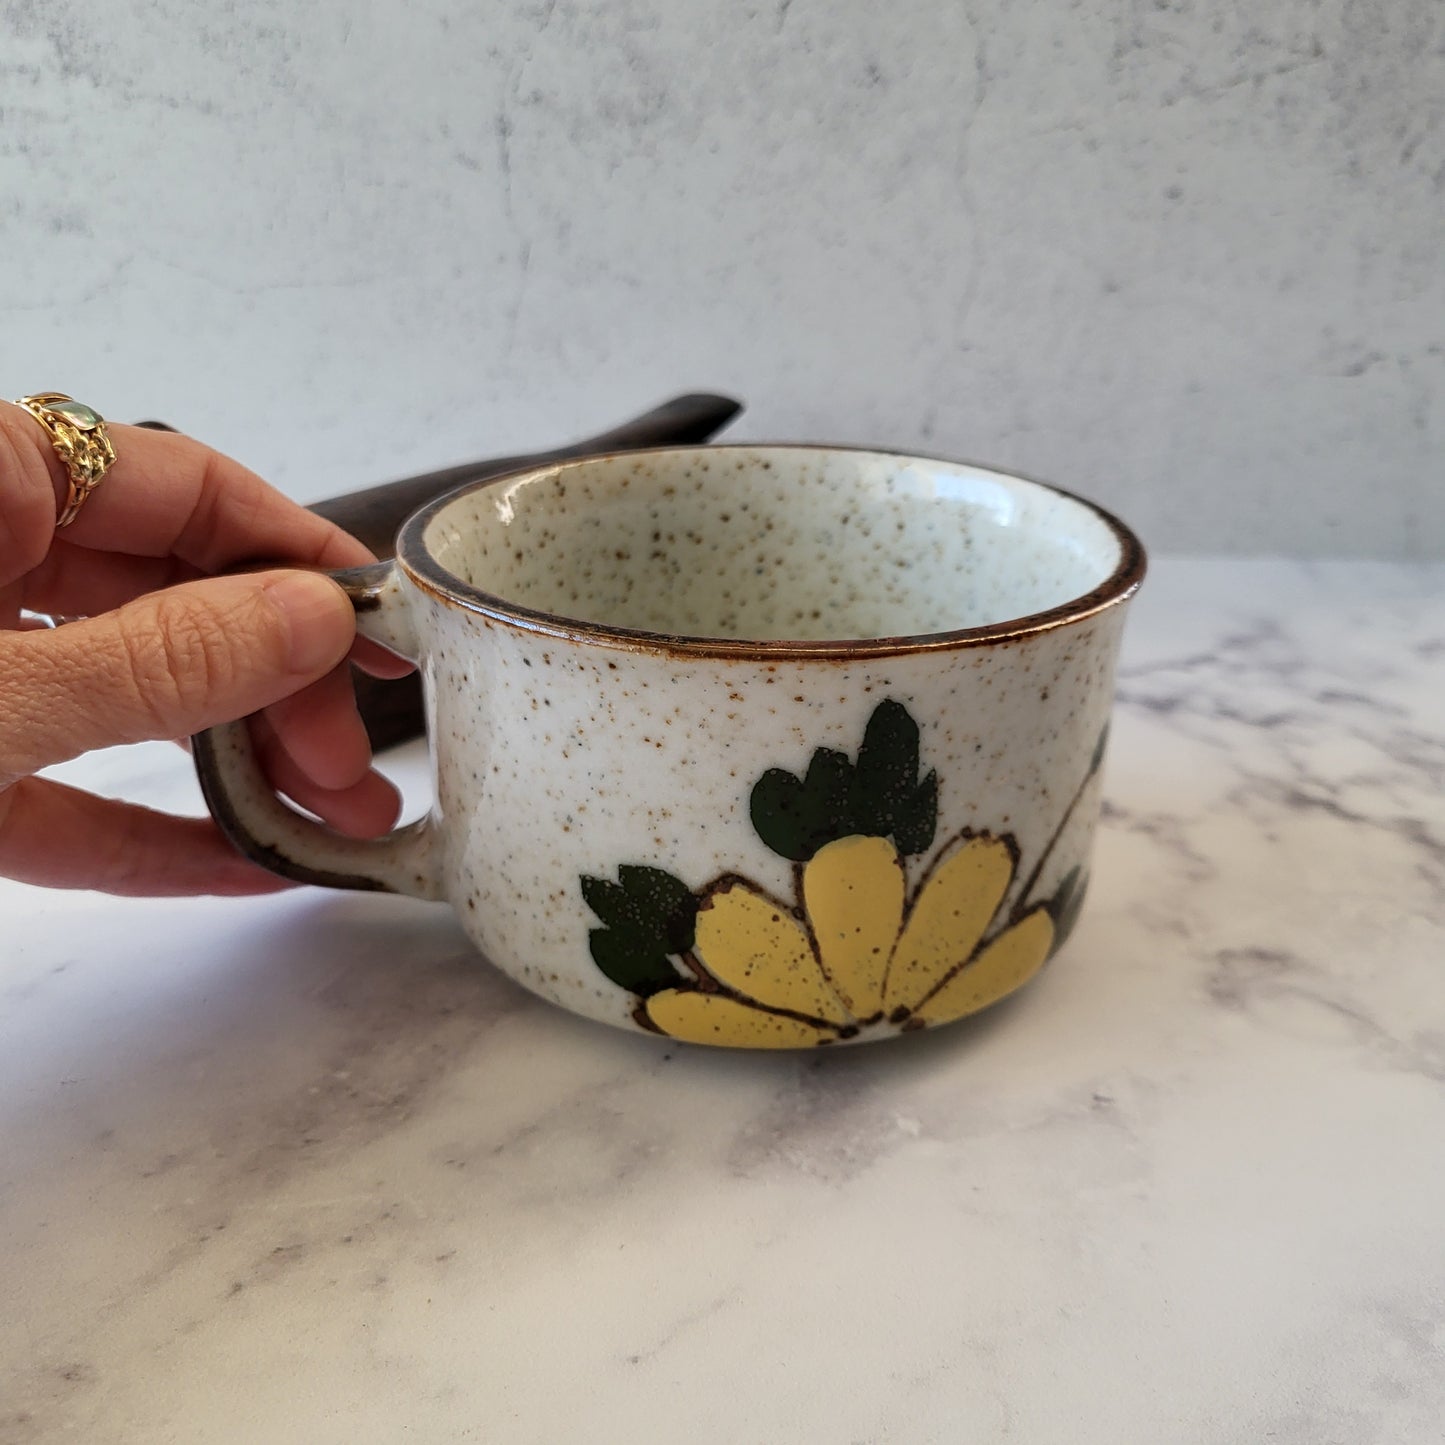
(761, 746)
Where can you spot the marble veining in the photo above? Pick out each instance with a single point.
(304, 1169)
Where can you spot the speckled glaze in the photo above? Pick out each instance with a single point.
(813, 734)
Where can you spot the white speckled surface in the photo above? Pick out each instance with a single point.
(575, 764)
(776, 543)
(303, 1170)
(1184, 257)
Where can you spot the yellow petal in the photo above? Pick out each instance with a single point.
(954, 906)
(710, 1018)
(752, 945)
(853, 892)
(1007, 963)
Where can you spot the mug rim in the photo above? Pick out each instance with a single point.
(428, 574)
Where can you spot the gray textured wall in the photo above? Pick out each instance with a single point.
(1183, 255)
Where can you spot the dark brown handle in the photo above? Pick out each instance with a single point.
(392, 710)
(262, 827)
(375, 515)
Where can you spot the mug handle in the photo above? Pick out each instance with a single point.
(280, 839)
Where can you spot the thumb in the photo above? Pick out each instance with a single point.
(168, 664)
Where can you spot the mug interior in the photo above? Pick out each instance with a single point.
(774, 543)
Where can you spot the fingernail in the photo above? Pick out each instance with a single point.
(319, 621)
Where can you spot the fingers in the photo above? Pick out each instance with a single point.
(29, 506)
(165, 495)
(166, 665)
(71, 581)
(57, 837)
(371, 657)
(78, 582)
(11, 600)
(322, 731)
(170, 662)
(365, 808)
(314, 748)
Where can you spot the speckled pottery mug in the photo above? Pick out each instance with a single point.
(768, 747)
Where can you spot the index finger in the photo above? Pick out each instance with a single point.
(168, 495)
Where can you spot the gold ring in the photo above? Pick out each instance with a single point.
(78, 434)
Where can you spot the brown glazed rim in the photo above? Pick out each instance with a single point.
(428, 574)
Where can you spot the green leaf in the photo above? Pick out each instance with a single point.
(608, 901)
(887, 770)
(1099, 750)
(779, 810)
(889, 801)
(918, 820)
(658, 895)
(797, 816)
(829, 785)
(881, 795)
(649, 915)
(639, 972)
(1064, 907)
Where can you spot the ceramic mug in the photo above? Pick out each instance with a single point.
(766, 747)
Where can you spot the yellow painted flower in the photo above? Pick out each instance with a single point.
(859, 952)
(858, 949)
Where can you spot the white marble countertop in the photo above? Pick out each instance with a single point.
(304, 1169)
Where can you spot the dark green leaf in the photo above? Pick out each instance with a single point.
(1065, 905)
(638, 971)
(918, 819)
(792, 815)
(829, 786)
(1099, 750)
(887, 771)
(649, 914)
(828, 781)
(881, 795)
(777, 809)
(889, 800)
(659, 896)
(607, 900)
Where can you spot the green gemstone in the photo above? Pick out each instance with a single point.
(77, 414)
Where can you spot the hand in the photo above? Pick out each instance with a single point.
(166, 649)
